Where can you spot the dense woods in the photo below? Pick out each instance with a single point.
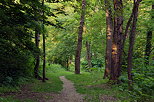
(111, 37)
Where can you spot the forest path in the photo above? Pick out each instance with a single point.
(68, 94)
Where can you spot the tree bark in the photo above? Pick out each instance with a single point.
(117, 41)
(88, 54)
(132, 40)
(148, 42)
(36, 68)
(79, 44)
(44, 53)
(127, 29)
(109, 37)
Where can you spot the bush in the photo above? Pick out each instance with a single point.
(54, 68)
(143, 82)
(15, 62)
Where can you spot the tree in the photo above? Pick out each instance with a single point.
(109, 37)
(37, 58)
(148, 48)
(117, 40)
(132, 39)
(44, 51)
(15, 33)
(88, 48)
(79, 44)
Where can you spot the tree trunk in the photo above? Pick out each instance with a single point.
(132, 40)
(148, 47)
(44, 58)
(148, 42)
(127, 29)
(36, 68)
(117, 41)
(109, 37)
(67, 64)
(88, 54)
(44, 54)
(79, 44)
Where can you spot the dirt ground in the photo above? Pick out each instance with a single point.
(68, 94)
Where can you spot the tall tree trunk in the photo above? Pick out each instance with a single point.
(126, 34)
(88, 54)
(132, 39)
(127, 29)
(44, 54)
(44, 58)
(109, 37)
(149, 42)
(36, 68)
(117, 41)
(79, 44)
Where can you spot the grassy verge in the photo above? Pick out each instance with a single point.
(91, 84)
(8, 99)
(53, 85)
(8, 89)
(95, 87)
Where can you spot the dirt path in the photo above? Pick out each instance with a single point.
(68, 94)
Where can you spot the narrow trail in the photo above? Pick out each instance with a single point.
(68, 94)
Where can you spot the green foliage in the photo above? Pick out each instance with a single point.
(142, 88)
(62, 41)
(19, 20)
(54, 68)
(14, 64)
(97, 65)
(143, 82)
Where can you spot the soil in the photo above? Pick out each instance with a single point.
(68, 94)
(26, 94)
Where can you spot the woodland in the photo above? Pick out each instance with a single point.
(104, 47)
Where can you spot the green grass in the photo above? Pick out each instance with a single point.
(85, 83)
(8, 99)
(54, 84)
(9, 88)
(4, 89)
(93, 85)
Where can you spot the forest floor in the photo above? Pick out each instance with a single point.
(68, 94)
(66, 87)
